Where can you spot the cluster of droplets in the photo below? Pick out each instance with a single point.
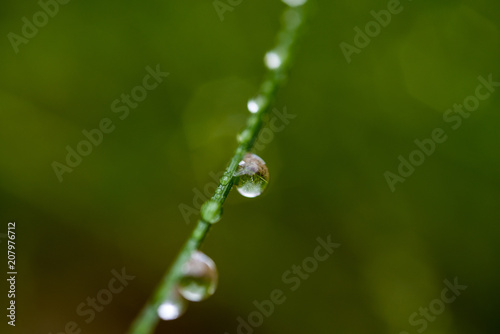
(274, 59)
(252, 176)
(197, 282)
(199, 277)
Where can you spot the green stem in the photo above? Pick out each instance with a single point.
(293, 19)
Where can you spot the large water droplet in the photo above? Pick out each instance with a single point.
(199, 279)
(252, 176)
(172, 308)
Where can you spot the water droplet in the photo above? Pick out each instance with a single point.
(240, 150)
(253, 176)
(253, 120)
(199, 279)
(225, 179)
(272, 60)
(253, 106)
(294, 3)
(267, 87)
(291, 19)
(244, 136)
(172, 308)
(256, 104)
(211, 211)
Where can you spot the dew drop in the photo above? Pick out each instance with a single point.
(272, 60)
(211, 211)
(172, 308)
(199, 278)
(225, 179)
(253, 106)
(252, 176)
(256, 104)
(244, 136)
(291, 19)
(252, 121)
(294, 3)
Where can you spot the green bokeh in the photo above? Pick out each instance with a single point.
(120, 206)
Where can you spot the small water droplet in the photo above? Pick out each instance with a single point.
(253, 106)
(291, 19)
(225, 179)
(240, 150)
(253, 176)
(256, 104)
(244, 136)
(253, 120)
(272, 60)
(211, 211)
(294, 3)
(172, 308)
(199, 279)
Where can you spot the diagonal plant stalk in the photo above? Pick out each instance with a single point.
(278, 62)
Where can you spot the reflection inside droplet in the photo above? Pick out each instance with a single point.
(252, 176)
(272, 60)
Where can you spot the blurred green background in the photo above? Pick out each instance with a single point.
(120, 206)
